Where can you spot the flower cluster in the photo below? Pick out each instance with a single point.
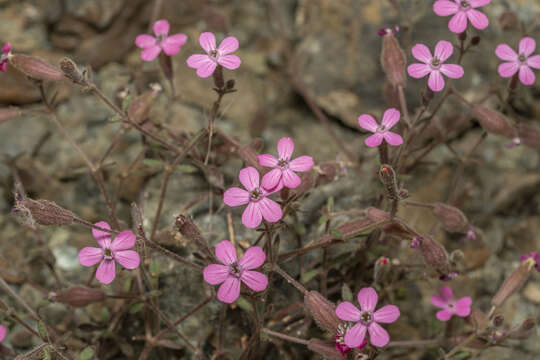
(445, 301)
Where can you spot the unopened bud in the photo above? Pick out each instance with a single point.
(435, 255)
(393, 60)
(451, 218)
(36, 68)
(494, 122)
(415, 242)
(186, 226)
(78, 296)
(322, 311)
(381, 268)
(42, 212)
(457, 256)
(525, 330)
(326, 349)
(72, 72)
(513, 283)
(219, 82)
(475, 40)
(9, 113)
(229, 85)
(387, 175)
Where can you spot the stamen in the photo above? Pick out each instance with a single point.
(107, 254)
(465, 4)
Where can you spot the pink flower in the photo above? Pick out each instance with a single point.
(2, 332)
(284, 167)
(434, 65)
(207, 63)
(234, 272)
(462, 10)
(522, 61)
(152, 46)
(6, 49)
(340, 339)
(366, 319)
(445, 301)
(259, 206)
(534, 256)
(390, 118)
(109, 253)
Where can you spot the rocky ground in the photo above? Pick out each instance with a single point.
(336, 54)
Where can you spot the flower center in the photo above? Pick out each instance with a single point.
(235, 270)
(522, 58)
(381, 128)
(213, 53)
(283, 163)
(465, 4)
(256, 194)
(107, 254)
(160, 38)
(435, 62)
(366, 317)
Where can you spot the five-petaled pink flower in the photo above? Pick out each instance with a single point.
(390, 118)
(2, 332)
(259, 206)
(109, 253)
(434, 65)
(6, 49)
(284, 167)
(532, 255)
(152, 46)
(367, 319)
(234, 272)
(207, 63)
(522, 62)
(462, 10)
(445, 301)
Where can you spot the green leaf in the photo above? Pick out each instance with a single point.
(244, 304)
(135, 308)
(153, 162)
(42, 330)
(186, 168)
(105, 315)
(154, 268)
(323, 219)
(47, 353)
(346, 293)
(126, 103)
(127, 285)
(86, 354)
(330, 204)
(306, 277)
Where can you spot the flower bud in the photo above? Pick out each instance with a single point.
(451, 218)
(36, 68)
(494, 122)
(387, 175)
(475, 40)
(513, 283)
(78, 296)
(393, 60)
(435, 255)
(415, 242)
(72, 72)
(326, 349)
(9, 113)
(42, 212)
(322, 311)
(381, 268)
(219, 82)
(229, 85)
(186, 226)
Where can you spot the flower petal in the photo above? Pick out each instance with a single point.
(390, 118)
(103, 238)
(478, 3)
(229, 291)
(197, 60)
(534, 61)
(527, 45)
(161, 27)
(2, 333)
(6, 48)
(386, 314)
(207, 41)
(436, 81)
(478, 19)
(392, 138)
(443, 50)
(231, 62)
(123, 241)
(373, 140)
(446, 294)
(421, 52)
(444, 315)
(462, 307)
(348, 312)
(285, 148)
(505, 52)
(267, 160)
(418, 71)
(271, 178)
(106, 271)
(452, 70)
(228, 45)
(225, 252)
(438, 301)
(215, 274)
(458, 22)
(206, 69)
(128, 258)
(255, 280)
(377, 335)
(301, 163)
(235, 197)
(253, 258)
(367, 298)
(290, 179)
(445, 7)
(526, 75)
(249, 177)
(367, 122)
(252, 216)
(270, 210)
(145, 41)
(150, 53)
(356, 335)
(172, 44)
(90, 256)
(508, 69)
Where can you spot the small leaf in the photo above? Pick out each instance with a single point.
(105, 315)
(47, 353)
(86, 354)
(323, 219)
(244, 304)
(126, 103)
(42, 330)
(346, 293)
(186, 168)
(127, 285)
(154, 268)
(306, 277)
(135, 308)
(330, 204)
